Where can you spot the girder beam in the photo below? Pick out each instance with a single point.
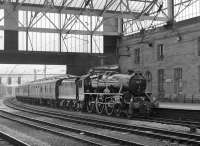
(56, 58)
(81, 32)
(85, 11)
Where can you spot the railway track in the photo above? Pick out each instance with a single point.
(8, 140)
(87, 137)
(182, 122)
(185, 123)
(186, 138)
(81, 135)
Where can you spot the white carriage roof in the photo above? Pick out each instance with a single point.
(56, 78)
(50, 79)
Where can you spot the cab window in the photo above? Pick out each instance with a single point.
(80, 83)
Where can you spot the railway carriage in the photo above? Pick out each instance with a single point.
(22, 91)
(109, 93)
(71, 94)
(43, 92)
(7, 90)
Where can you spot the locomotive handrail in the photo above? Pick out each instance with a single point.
(103, 93)
(121, 86)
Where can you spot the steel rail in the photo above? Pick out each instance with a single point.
(186, 123)
(12, 140)
(135, 129)
(68, 128)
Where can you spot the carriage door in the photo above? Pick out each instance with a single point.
(79, 90)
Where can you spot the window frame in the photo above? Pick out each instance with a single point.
(160, 52)
(161, 82)
(137, 55)
(178, 80)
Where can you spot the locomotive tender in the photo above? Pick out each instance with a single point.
(110, 93)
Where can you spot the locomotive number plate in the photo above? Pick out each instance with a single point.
(138, 82)
(136, 105)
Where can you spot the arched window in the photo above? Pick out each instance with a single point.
(148, 76)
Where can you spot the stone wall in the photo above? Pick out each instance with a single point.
(180, 50)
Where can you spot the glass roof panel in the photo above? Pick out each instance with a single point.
(119, 5)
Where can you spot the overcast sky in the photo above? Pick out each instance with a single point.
(29, 69)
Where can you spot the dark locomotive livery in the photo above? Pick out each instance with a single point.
(110, 93)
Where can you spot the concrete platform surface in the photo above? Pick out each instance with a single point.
(186, 106)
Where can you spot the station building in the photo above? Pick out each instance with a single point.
(169, 56)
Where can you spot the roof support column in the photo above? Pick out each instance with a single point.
(170, 8)
(60, 33)
(11, 26)
(120, 25)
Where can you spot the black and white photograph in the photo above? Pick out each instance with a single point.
(99, 72)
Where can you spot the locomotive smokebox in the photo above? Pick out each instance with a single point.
(137, 84)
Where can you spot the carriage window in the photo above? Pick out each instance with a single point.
(19, 80)
(9, 80)
(50, 88)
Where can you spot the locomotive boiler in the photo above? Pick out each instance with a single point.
(110, 93)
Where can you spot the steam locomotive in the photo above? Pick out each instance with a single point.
(110, 93)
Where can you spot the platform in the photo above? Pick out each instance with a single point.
(182, 106)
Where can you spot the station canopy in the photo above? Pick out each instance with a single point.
(113, 5)
(129, 9)
(136, 15)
